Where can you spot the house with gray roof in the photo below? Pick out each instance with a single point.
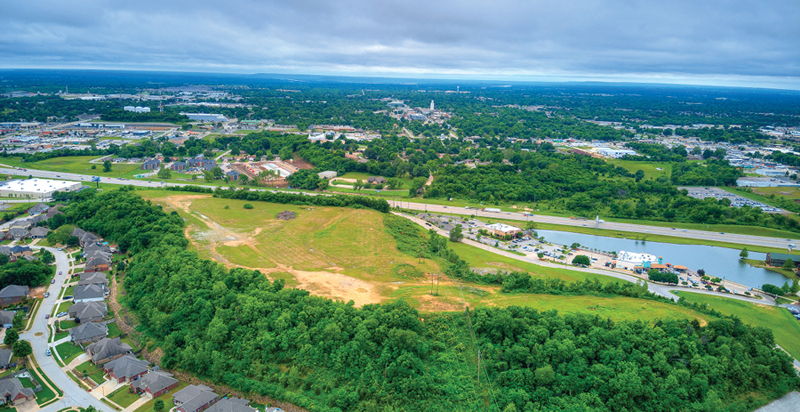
(36, 219)
(97, 264)
(94, 248)
(106, 350)
(18, 233)
(151, 164)
(12, 392)
(93, 278)
(154, 384)
(38, 208)
(39, 232)
(19, 251)
(88, 332)
(53, 211)
(126, 368)
(231, 405)
(7, 318)
(5, 358)
(13, 294)
(194, 398)
(84, 237)
(89, 293)
(85, 312)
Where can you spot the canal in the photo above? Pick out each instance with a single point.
(716, 261)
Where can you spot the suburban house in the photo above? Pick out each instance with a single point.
(778, 259)
(178, 166)
(53, 211)
(376, 179)
(194, 398)
(151, 164)
(17, 233)
(5, 358)
(84, 237)
(232, 405)
(38, 209)
(232, 175)
(93, 249)
(126, 368)
(20, 251)
(97, 264)
(39, 232)
(85, 312)
(154, 384)
(7, 318)
(36, 219)
(88, 332)
(89, 293)
(13, 294)
(12, 391)
(106, 350)
(93, 278)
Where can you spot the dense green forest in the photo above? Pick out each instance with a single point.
(23, 272)
(237, 327)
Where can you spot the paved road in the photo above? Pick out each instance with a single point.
(660, 290)
(623, 227)
(74, 395)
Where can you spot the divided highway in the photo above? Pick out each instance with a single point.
(623, 227)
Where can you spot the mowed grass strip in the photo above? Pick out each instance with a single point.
(76, 164)
(783, 325)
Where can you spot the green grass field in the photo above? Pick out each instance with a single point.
(68, 352)
(787, 192)
(783, 325)
(650, 169)
(123, 396)
(76, 164)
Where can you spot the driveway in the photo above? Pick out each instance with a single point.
(74, 395)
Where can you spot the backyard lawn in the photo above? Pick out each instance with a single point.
(167, 398)
(91, 370)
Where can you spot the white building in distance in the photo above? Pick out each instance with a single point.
(629, 260)
(615, 153)
(36, 188)
(501, 229)
(137, 109)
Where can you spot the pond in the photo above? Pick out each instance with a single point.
(716, 261)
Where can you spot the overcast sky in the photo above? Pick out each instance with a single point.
(717, 42)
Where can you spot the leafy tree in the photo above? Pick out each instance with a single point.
(46, 257)
(4, 259)
(456, 234)
(19, 320)
(789, 264)
(657, 276)
(772, 289)
(11, 337)
(22, 348)
(208, 176)
(217, 172)
(73, 241)
(639, 175)
(744, 254)
(164, 173)
(248, 206)
(581, 260)
(158, 405)
(106, 166)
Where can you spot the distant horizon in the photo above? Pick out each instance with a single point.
(398, 78)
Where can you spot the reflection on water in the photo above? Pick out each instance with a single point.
(716, 261)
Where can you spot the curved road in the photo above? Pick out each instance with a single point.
(764, 241)
(74, 395)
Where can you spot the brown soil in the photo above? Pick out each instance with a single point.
(301, 163)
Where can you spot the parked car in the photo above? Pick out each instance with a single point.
(68, 297)
(61, 314)
(59, 249)
(47, 294)
(60, 273)
(52, 281)
(47, 352)
(47, 316)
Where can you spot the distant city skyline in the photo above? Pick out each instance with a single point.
(716, 42)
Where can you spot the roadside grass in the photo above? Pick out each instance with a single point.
(123, 396)
(784, 326)
(68, 352)
(76, 164)
(167, 398)
(792, 193)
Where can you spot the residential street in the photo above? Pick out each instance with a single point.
(74, 395)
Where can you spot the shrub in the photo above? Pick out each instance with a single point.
(248, 206)
(581, 260)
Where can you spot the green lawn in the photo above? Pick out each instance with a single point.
(90, 369)
(64, 306)
(75, 164)
(67, 351)
(783, 325)
(123, 396)
(113, 330)
(67, 324)
(167, 398)
(26, 383)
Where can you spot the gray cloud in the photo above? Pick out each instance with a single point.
(711, 41)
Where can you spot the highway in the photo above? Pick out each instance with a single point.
(74, 395)
(622, 227)
(764, 241)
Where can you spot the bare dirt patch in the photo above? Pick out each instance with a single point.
(334, 285)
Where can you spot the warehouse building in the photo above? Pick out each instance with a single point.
(36, 188)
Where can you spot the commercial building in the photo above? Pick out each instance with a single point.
(206, 117)
(137, 109)
(615, 153)
(501, 229)
(36, 188)
(630, 260)
(778, 259)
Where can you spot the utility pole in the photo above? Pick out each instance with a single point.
(479, 366)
